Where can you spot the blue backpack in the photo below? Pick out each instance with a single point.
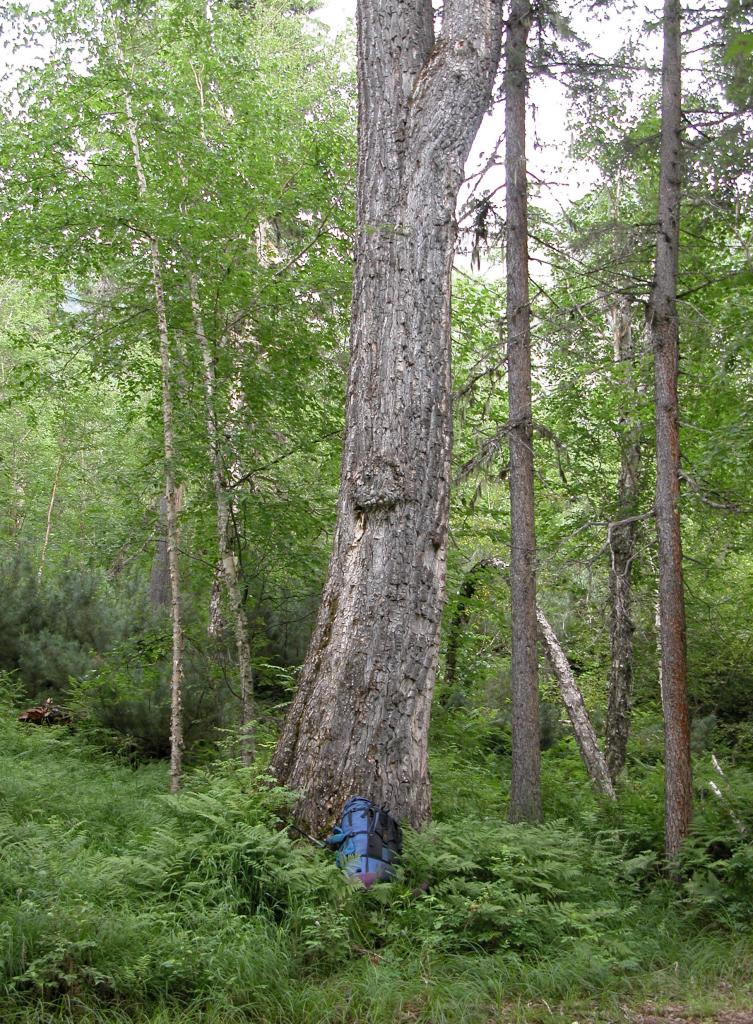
(367, 840)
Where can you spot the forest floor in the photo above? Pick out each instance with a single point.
(122, 905)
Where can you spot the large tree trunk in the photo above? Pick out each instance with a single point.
(663, 326)
(622, 541)
(227, 556)
(525, 788)
(360, 718)
(171, 497)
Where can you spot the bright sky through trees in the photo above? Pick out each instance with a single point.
(549, 133)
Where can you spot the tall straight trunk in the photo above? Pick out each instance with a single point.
(359, 721)
(525, 788)
(622, 541)
(227, 556)
(176, 681)
(664, 332)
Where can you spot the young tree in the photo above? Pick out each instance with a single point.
(171, 489)
(359, 721)
(664, 331)
(525, 787)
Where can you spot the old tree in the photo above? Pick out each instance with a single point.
(359, 721)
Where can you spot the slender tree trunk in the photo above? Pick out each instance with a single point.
(360, 718)
(664, 330)
(585, 736)
(525, 788)
(159, 578)
(50, 510)
(622, 541)
(227, 557)
(176, 685)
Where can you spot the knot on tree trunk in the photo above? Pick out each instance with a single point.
(378, 484)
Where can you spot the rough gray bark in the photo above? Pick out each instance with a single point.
(227, 557)
(171, 498)
(664, 331)
(359, 721)
(525, 787)
(622, 541)
(585, 736)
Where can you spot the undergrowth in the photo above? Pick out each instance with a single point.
(120, 903)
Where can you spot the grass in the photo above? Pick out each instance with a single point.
(119, 903)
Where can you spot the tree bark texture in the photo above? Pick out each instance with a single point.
(227, 556)
(360, 718)
(525, 788)
(585, 736)
(664, 331)
(622, 542)
(171, 498)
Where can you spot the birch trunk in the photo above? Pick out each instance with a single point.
(176, 683)
(360, 718)
(585, 736)
(525, 788)
(227, 557)
(50, 510)
(622, 541)
(664, 331)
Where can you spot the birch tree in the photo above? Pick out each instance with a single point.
(171, 499)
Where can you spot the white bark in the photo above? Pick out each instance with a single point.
(50, 509)
(593, 759)
(227, 557)
(176, 683)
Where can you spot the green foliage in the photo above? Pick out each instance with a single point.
(117, 899)
(53, 628)
(533, 889)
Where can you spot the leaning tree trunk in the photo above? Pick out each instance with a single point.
(360, 718)
(664, 330)
(622, 541)
(585, 734)
(176, 682)
(227, 556)
(525, 786)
